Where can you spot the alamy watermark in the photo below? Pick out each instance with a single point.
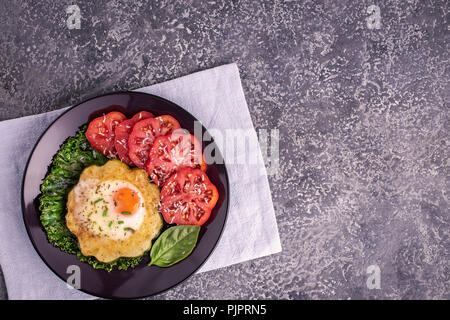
(74, 20)
(374, 278)
(74, 279)
(374, 20)
(235, 146)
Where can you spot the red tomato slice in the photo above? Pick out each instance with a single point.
(171, 153)
(188, 197)
(122, 133)
(144, 133)
(142, 115)
(101, 132)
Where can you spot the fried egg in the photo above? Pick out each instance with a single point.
(113, 211)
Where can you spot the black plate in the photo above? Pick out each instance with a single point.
(141, 281)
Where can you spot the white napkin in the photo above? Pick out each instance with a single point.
(213, 96)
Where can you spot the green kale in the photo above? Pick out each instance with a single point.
(74, 155)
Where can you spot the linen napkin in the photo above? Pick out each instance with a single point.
(213, 96)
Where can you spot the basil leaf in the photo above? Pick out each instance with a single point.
(174, 244)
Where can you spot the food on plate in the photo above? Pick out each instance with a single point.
(101, 133)
(113, 211)
(188, 197)
(143, 135)
(173, 245)
(106, 212)
(122, 133)
(171, 153)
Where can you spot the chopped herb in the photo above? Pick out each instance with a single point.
(98, 200)
(105, 212)
(109, 224)
(127, 213)
(129, 229)
(120, 222)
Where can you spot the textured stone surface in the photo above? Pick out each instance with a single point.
(362, 114)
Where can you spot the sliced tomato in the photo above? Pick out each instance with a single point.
(171, 153)
(167, 125)
(143, 135)
(142, 115)
(122, 133)
(101, 132)
(188, 197)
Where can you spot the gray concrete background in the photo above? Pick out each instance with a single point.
(363, 117)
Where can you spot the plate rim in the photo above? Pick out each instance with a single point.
(227, 202)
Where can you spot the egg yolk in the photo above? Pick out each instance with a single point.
(126, 201)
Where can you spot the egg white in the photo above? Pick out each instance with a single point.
(97, 213)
